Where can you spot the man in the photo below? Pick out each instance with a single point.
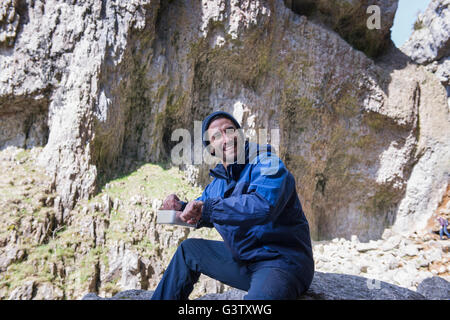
(255, 208)
(444, 223)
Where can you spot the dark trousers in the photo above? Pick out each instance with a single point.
(213, 258)
(442, 231)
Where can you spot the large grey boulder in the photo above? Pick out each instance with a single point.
(435, 288)
(325, 286)
(124, 295)
(333, 286)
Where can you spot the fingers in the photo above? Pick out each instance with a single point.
(198, 205)
(189, 216)
(172, 202)
(184, 218)
(192, 221)
(192, 212)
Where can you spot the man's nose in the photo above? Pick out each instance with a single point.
(227, 139)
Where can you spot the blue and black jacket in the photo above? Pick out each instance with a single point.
(255, 208)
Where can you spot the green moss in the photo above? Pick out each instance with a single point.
(298, 164)
(111, 287)
(20, 272)
(145, 246)
(160, 92)
(166, 121)
(86, 266)
(364, 141)
(347, 105)
(381, 202)
(146, 180)
(247, 59)
(295, 109)
(418, 24)
(22, 155)
(374, 121)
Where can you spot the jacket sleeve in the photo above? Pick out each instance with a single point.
(268, 193)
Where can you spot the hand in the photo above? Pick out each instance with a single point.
(193, 212)
(172, 202)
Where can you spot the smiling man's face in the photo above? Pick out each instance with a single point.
(223, 136)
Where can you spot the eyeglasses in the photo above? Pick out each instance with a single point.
(229, 133)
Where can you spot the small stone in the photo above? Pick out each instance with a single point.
(319, 248)
(387, 234)
(364, 247)
(116, 204)
(410, 250)
(433, 255)
(421, 262)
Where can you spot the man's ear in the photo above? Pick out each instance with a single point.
(208, 147)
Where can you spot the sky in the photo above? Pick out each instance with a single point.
(404, 19)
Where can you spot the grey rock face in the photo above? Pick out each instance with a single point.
(431, 39)
(9, 21)
(435, 288)
(108, 82)
(337, 14)
(11, 255)
(24, 292)
(429, 44)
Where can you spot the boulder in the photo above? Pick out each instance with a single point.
(123, 295)
(325, 286)
(24, 291)
(435, 288)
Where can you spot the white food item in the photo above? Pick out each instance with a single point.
(170, 217)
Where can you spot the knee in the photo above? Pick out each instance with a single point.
(190, 252)
(189, 244)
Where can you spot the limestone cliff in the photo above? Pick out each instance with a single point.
(429, 44)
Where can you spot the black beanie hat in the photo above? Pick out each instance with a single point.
(209, 118)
